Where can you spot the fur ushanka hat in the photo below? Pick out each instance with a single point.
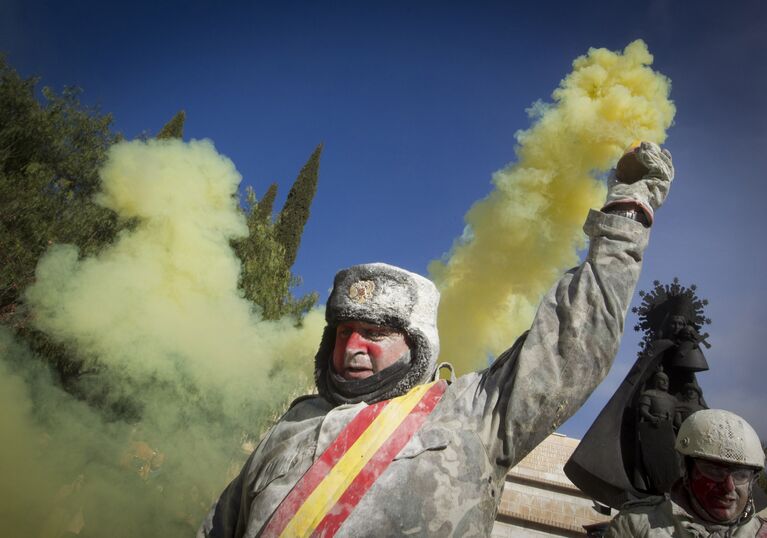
(384, 295)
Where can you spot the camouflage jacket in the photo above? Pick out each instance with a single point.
(661, 517)
(447, 480)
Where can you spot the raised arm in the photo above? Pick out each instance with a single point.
(547, 375)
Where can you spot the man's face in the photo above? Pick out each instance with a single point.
(722, 490)
(363, 349)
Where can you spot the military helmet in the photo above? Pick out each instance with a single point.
(719, 435)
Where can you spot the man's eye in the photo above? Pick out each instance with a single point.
(379, 335)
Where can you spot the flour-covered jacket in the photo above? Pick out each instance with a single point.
(661, 517)
(447, 480)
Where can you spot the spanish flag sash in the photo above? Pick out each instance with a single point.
(330, 489)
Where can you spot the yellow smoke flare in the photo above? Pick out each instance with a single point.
(527, 231)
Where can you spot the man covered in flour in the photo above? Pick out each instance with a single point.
(387, 449)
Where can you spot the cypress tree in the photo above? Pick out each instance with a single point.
(295, 212)
(265, 278)
(265, 206)
(174, 128)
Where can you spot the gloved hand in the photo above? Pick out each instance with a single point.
(650, 191)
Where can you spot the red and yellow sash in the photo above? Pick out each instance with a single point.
(327, 493)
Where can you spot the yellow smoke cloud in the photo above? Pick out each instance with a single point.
(173, 344)
(168, 289)
(527, 231)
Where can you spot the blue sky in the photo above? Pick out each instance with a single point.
(417, 104)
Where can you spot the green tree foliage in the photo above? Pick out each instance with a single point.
(265, 206)
(50, 154)
(266, 278)
(174, 128)
(292, 219)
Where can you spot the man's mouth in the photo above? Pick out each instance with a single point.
(723, 502)
(357, 372)
(357, 367)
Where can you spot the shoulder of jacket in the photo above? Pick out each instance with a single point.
(643, 504)
(305, 398)
(759, 525)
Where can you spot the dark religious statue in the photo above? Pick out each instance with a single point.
(656, 405)
(689, 401)
(656, 435)
(628, 453)
(684, 358)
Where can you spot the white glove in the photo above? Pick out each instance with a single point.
(650, 191)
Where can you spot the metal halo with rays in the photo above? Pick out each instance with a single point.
(664, 301)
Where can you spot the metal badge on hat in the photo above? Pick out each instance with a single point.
(361, 291)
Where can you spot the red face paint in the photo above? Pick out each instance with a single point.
(363, 349)
(721, 490)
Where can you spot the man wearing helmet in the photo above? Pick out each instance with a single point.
(386, 448)
(722, 456)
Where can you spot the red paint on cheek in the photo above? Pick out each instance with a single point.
(702, 488)
(338, 354)
(370, 348)
(356, 344)
(352, 344)
(717, 498)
